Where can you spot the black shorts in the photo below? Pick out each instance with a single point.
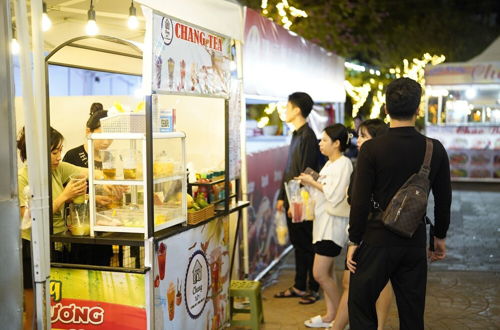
(327, 248)
(27, 265)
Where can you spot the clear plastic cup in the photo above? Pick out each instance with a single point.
(78, 178)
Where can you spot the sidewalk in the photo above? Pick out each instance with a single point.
(455, 300)
(463, 291)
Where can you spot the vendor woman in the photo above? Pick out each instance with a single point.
(61, 173)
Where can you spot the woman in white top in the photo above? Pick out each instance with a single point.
(331, 216)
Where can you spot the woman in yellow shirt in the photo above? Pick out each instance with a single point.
(61, 173)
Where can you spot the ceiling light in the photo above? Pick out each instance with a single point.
(471, 93)
(133, 23)
(46, 22)
(91, 28)
(14, 46)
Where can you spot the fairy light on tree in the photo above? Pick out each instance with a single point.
(286, 12)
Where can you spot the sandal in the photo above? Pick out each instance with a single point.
(310, 298)
(317, 322)
(289, 293)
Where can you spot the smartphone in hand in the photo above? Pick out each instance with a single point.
(313, 173)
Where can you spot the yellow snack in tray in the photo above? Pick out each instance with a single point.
(160, 218)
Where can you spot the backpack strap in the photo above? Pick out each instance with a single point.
(426, 165)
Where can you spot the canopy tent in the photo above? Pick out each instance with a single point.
(490, 54)
(482, 69)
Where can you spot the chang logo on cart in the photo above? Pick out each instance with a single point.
(196, 36)
(167, 31)
(197, 284)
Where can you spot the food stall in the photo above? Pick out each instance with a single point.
(463, 112)
(172, 265)
(277, 63)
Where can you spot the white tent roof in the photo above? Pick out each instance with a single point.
(490, 54)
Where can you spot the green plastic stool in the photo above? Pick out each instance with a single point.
(252, 291)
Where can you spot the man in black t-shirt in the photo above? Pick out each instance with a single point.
(377, 255)
(303, 153)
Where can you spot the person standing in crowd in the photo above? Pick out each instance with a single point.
(61, 173)
(367, 130)
(99, 255)
(376, 254)
(303, 153)
(331, 211)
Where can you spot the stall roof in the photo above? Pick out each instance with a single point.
(490, 54)
(69, 18)
(482, 69)
(278, 62)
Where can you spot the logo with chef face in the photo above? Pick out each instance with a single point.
(167, 30)
(196, 284)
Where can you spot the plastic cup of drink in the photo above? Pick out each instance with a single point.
(296, 211)
(130, 165)
(162, 256)
(171, 300)
(282, 231)
(78, 178)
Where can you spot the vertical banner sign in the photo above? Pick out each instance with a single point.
(88, 299)
(265, 172)
(188, 59)
(474, 151)
(192, 279)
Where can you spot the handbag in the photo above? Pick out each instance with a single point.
(342, 209)
(407, 208)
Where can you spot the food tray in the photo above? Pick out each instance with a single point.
(124, 123)
(203, 214)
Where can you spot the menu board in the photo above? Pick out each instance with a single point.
(192, 278)
(188, 59)
(474, 151)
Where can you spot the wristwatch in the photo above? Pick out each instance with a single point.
(349, 243)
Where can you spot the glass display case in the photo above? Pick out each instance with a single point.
(119, 180)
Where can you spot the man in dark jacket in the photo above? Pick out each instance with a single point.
(377, 255)
(303, 153)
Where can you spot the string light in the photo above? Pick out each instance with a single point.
(91, 28)
(284, 10)
(133, 23)
(414, 70)
(358, 95)
(46, 22)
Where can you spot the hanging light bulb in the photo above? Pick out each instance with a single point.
(91, 28)
(46, 22)
(133, 23)
(14, 46)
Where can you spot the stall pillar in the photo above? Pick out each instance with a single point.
(10, 242)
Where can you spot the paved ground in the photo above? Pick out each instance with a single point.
(463, 292)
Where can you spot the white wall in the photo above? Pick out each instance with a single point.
(201, 118)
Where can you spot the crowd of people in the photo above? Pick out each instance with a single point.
(349, 211)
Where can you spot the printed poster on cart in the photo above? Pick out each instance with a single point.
(265, 173)
(474, 151)
(88, 299)
(189, 59)
(192, 278)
